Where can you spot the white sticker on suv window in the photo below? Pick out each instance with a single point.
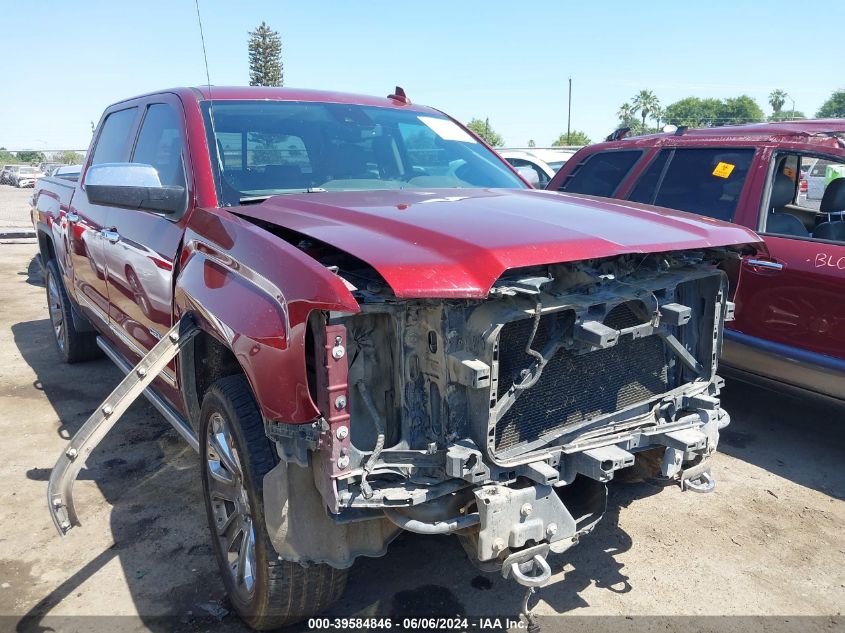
(447, 129)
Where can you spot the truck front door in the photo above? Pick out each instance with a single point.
(143, 247)
(790, 318)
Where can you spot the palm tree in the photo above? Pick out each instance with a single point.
(776, 99)
(657, 114)
(625, 113)
(645, 102)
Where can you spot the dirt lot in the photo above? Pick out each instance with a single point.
(769, 541)
(14, 211)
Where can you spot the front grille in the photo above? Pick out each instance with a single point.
(574, 388)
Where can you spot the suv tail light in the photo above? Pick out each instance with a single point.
(802, 186)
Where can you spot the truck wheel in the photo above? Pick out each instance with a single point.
(267, 592)
(73, 346)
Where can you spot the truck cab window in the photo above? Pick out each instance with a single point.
(601, 174)
(112, 145)
(160, 144)
(704, 181)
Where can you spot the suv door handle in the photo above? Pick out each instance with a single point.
(71, 216)
(110, 235)
(762, 263)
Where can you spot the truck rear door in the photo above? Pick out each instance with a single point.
(86, 222)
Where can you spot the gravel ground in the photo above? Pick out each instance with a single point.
(770, 541)
(14, 211)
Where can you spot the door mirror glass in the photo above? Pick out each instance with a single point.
(132, 186)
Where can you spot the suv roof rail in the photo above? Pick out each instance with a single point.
(618, 134)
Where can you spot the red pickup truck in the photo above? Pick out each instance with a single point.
(396, 331)
(785, 180)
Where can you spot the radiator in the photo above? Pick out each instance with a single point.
(574, 388)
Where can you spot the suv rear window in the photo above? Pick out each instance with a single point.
(703, 181)
(600, 174)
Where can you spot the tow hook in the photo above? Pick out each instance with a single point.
(698, 478)
(702, 483)
(530, 569)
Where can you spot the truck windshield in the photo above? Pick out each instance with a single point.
(266, 148)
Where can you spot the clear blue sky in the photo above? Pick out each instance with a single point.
(509, 61)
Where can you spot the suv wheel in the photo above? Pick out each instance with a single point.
(73, 346)
(267, 592)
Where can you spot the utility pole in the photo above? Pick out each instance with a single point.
(569, 114)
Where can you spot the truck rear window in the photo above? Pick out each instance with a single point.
(600, 174)
(706, 181)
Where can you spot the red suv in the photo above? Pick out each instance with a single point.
(790, 304)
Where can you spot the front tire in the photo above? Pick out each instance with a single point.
(266, 592)
(73, 346)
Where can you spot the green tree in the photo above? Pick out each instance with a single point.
(69, 158)
(645, 102)
(576, 137)
(6, 157)
(531, 143)
(693, 112)
(483, 129)
(834, 107)
(788, 115)
(30, 156)
(627, 116)
(265, 57)
(776, 99)
(658, 114)
(742, 109)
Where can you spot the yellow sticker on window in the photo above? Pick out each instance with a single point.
(723, 170)
(789, 173)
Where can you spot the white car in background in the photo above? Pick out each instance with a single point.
(544, 162)
(26, 176)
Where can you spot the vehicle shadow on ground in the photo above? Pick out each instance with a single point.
(148, 476)
(34, 275)
(795, 438)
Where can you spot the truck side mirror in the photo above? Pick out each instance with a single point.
(132, 186)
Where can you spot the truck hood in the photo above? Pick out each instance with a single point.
(455, 243)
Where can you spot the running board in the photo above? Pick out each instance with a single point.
(97, 426)
(176, 421)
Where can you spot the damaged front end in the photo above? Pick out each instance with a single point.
(501, 420)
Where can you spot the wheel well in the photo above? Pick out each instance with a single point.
(205, 361)
(45, 245)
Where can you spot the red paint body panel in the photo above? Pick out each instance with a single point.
(254, 292)
(456, 243)
(800, 305)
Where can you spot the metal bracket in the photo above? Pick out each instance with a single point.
(600, 463)
(97, 426)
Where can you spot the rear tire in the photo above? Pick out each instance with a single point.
(266, 592)
(73, 346)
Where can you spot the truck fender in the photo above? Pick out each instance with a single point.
(253, 292)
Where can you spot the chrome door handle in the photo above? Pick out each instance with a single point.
(762, 263)
(72, 217)
(111, 236)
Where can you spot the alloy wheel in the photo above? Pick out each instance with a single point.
(54, 303)
(230, 505)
